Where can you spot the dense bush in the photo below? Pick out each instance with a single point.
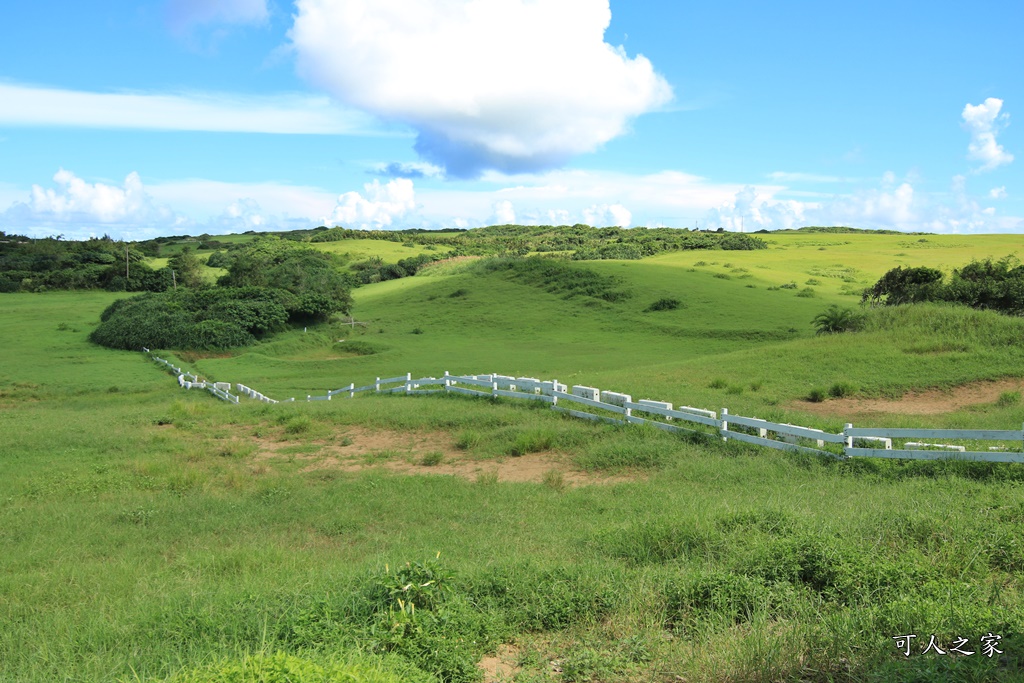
(994, 285)
(215, 318)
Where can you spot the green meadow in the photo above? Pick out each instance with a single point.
(155, 534)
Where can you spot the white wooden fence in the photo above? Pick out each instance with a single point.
(618, 408)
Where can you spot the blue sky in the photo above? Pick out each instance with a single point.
(138, 119)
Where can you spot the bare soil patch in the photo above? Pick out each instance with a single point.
(500, 667)
(931, 402)
(356, 449)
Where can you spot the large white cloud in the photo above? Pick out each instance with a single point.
(381, 206)
(514, 85)
(983, 122)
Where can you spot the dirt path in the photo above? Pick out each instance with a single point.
(931, 402)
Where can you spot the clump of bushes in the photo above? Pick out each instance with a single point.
(664, 304)
(215, 318)
(996, 285)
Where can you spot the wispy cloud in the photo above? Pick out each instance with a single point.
(286, 113)
(412, 170)
(786, 177)
(183, 15)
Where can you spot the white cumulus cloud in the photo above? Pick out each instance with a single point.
(381, 205)
(997, 192)
(604, 215)
(513, 85)
(78, 209)
(503, 213)
(983, 122)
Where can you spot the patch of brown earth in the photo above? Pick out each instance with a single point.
(502, 666)
(356, 449)
(931, 402)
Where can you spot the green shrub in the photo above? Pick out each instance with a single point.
(665, 304)
(816, 395)
(806, 293)
(432, 458)
(1008, 399)
(841, 390)
(835, 319)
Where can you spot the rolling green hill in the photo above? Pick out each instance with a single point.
(155, 534)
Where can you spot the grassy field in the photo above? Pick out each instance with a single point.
(152, 534)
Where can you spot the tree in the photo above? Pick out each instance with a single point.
(906, 286)
(186, 267)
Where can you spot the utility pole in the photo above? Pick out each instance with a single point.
(174, 279)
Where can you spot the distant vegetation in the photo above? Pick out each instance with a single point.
(37, 265)
(582, 241)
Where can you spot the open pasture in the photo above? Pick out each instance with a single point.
(150, 531)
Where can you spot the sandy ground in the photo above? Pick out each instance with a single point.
(500, 667)
(932, 402)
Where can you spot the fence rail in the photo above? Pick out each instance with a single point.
(660, 414)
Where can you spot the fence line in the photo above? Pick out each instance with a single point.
(780, 436)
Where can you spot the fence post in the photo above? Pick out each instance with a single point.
(849, 439)
(377, 385)
(351, 390)
(494, 389)
(725, 423)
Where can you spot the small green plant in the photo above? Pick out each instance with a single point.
(734, 390)
(841, 390)
(487, 478)
(813, 281)
(756, 385)
(458, 293)
(554, 480)
(469, 439)
(1008, 399)
(723, 276)
(432, 458)
(417, 330)
(816, 395)
(806, 293)
(665, 304)
(835, 319)
(698, 264)
(300, 424)
(788, 285)
(718, 383)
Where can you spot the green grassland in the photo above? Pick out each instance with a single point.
(147, 537)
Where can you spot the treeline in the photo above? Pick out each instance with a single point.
(270, 283)
(36, 265)
(994, 285)
(583, 241)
